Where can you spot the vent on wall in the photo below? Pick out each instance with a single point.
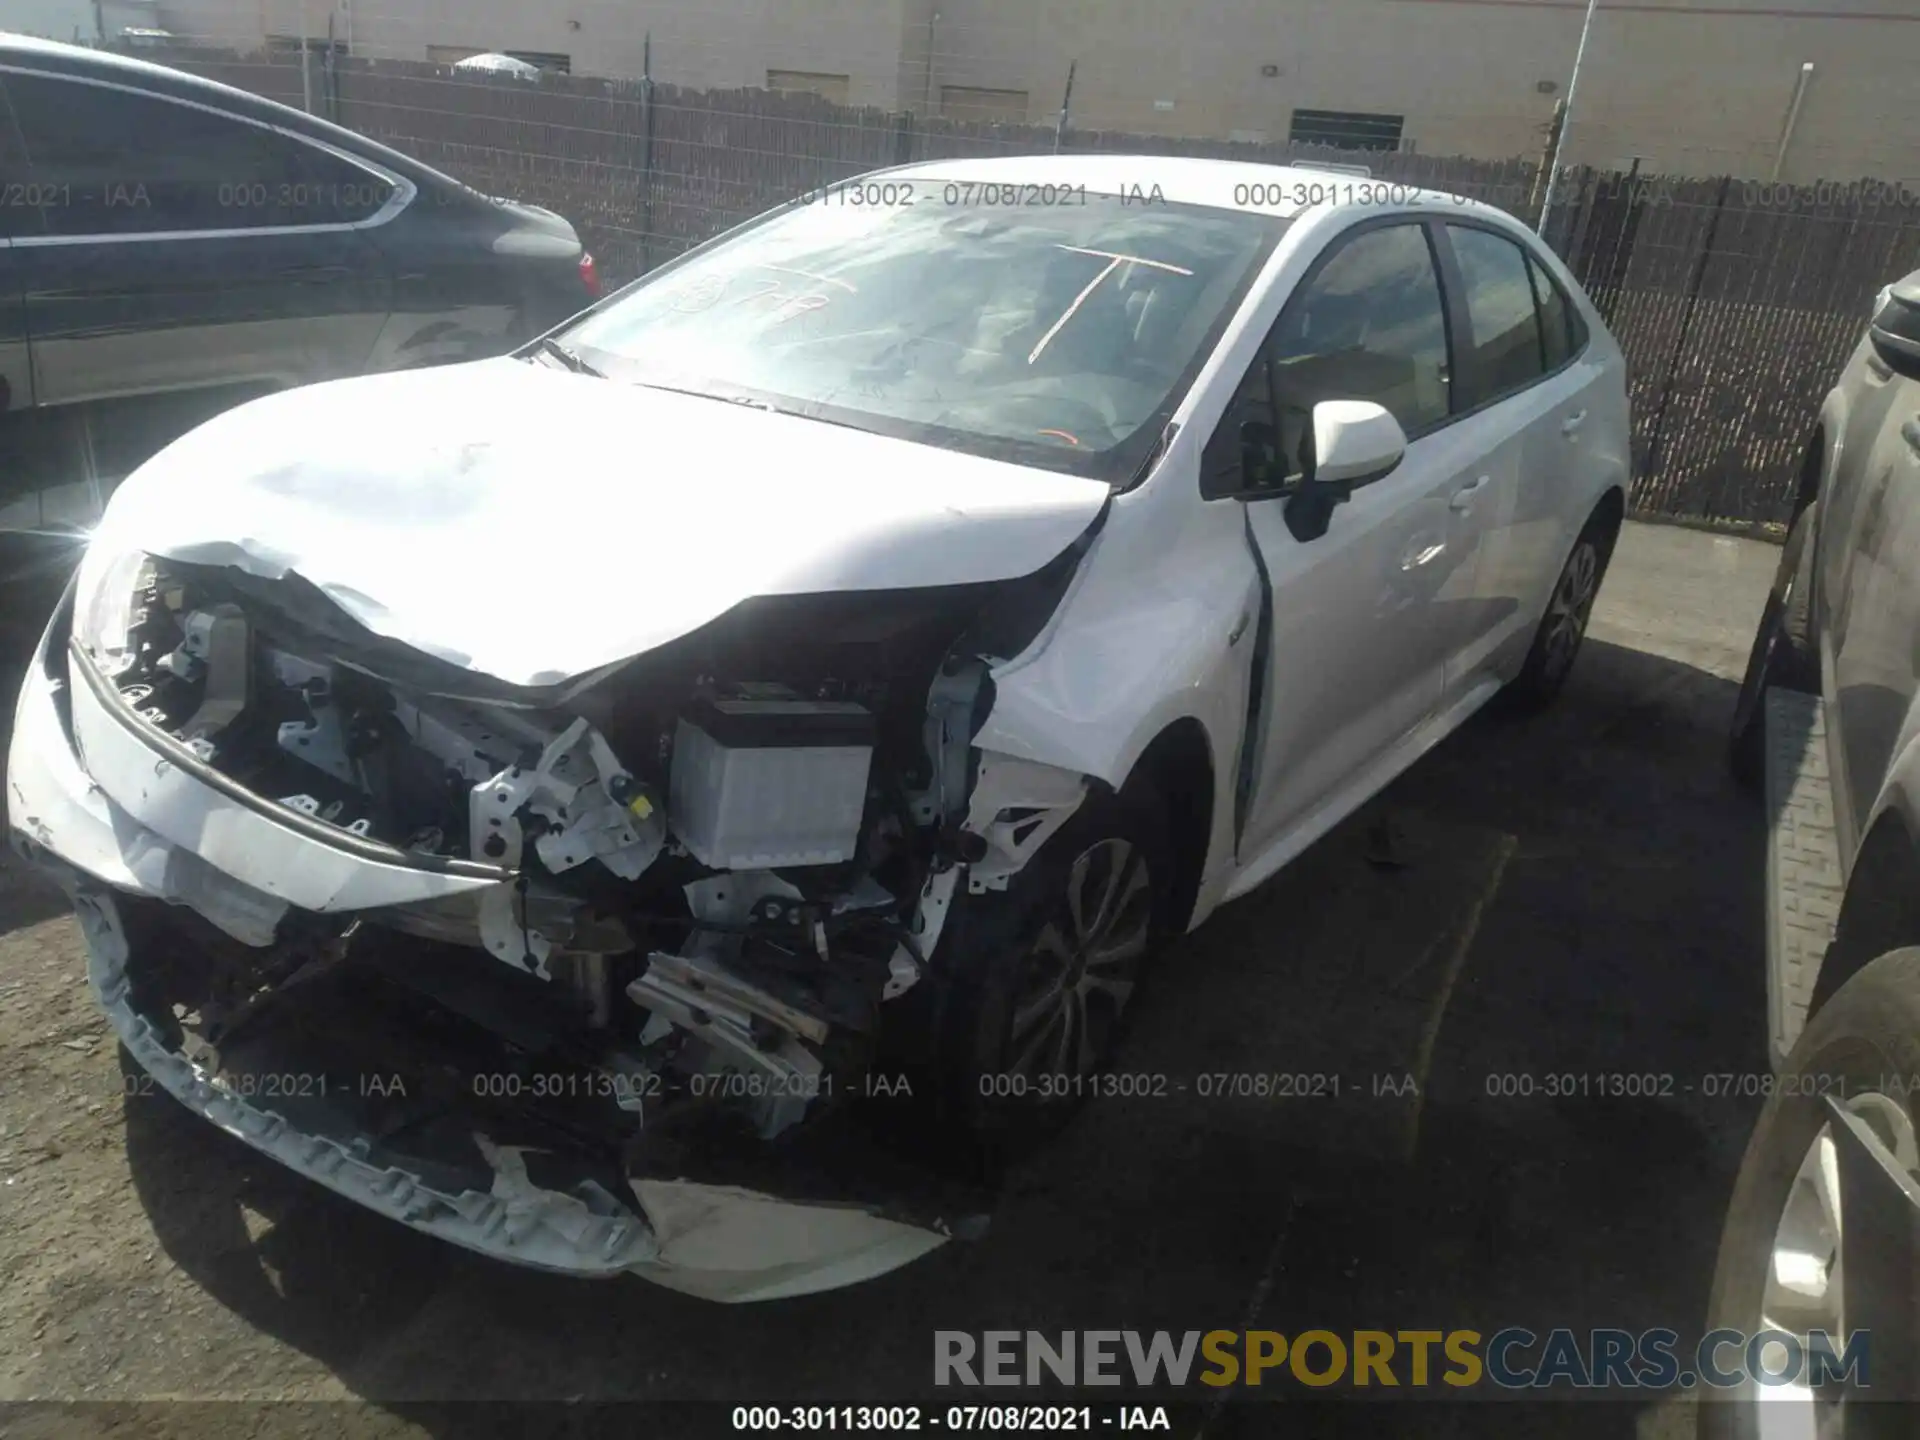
(1347, 129)
(970, 102)
(809, 82)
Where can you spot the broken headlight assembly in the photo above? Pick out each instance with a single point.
(110, 591)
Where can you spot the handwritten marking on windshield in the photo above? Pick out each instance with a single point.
(708, 290)
(808, 274)
(1114, 262)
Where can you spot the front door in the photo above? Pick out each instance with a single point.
(1354, 643)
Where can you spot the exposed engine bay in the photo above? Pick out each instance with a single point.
(710, 868)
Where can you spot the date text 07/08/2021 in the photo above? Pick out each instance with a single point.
(958, 1419)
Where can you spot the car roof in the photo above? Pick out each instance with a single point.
(79, 61)
(1198, 180)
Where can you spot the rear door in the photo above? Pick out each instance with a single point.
(1529, 400)
(187, 252)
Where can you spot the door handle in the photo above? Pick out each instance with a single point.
(1910, 432)
(1462, 500)
(1571, 425)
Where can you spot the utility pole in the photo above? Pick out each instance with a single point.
(926, 105)
(1066, 104)
(1548, 154)
(1566, 116)
(1793, 120)
(306, 70)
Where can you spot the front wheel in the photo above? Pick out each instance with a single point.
(1027, 992)
(1793, 1257)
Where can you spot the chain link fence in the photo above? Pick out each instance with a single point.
(1736, 302)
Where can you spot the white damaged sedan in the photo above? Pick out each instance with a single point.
(560, 801)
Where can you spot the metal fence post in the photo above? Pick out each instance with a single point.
(903, 139)
(1657, 438)
(330, 76)
(646, 153)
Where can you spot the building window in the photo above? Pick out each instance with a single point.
(1347, 129)
(969, 102)
(807, 82)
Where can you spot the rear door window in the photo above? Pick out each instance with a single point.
(1508, 354)
(1556, 317)
(110, 161)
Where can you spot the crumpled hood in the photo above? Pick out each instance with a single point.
(532, 525)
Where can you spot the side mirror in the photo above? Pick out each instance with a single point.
(1355, 442)
(1896, 328)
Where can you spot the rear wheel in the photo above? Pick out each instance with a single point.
(1783, 655)
(1792, 1256)
(1563, 629)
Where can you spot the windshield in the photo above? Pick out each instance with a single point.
(1060, 335)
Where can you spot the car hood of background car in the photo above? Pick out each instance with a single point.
(534, 525)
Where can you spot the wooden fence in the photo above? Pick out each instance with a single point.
(1736, 302)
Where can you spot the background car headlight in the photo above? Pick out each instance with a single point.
(109, 590)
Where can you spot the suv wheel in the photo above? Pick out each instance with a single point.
(1790, 1257)
(1783, 655)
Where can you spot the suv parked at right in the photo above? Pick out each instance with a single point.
(170, 247)
(1823, 1230)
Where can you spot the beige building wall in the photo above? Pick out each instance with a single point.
(701, 43)
(1691, 86)
(1687, 86)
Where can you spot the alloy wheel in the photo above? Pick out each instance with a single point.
(1806, 1283)
(1082, 963)
(1571, 607)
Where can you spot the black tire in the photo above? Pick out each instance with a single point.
(1783, 656)
(998, 1081)
(1869, 1031)
(1557, 641)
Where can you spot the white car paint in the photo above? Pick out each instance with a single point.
(512, 519)
(504, 516)
(1367, 675)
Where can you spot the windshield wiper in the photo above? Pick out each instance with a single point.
(569, 358)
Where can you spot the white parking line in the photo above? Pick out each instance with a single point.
(1456, 964)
